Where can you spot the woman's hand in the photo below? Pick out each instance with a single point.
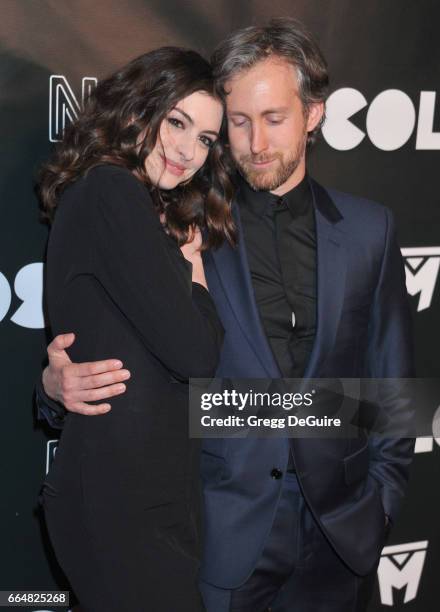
(191, 252)
(192, 248)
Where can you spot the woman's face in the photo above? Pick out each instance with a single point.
(185, 137)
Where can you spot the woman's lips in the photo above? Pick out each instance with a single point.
(176, 169)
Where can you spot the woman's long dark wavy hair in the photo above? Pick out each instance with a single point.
(133, 100)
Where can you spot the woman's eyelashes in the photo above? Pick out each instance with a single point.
(208, 142)
(179, 124)
(175, 122)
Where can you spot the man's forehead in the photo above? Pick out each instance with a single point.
(262, 100)
(272, 77)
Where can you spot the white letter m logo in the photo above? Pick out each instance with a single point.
(401, 567)
(421, 269)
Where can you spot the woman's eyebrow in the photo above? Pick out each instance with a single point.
(190, 119)
(184, 114)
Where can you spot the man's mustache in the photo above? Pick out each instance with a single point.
(259, 159)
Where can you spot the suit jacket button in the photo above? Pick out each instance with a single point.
(276, 474)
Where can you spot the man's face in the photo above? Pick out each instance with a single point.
(268, 125)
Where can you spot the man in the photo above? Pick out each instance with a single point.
(316, 289)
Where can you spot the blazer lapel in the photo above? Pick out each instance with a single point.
(331, 276)
(233, 269)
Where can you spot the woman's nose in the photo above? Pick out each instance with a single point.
(186, 148)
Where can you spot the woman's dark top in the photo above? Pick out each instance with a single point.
(122, 285)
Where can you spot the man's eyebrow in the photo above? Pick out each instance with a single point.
(190, 119)
(274, 111)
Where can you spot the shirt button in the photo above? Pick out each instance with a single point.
(276, 474)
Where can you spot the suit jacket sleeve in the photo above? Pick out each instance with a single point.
(48, 409)
(390, 356)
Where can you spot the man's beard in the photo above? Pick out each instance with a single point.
(269, 180)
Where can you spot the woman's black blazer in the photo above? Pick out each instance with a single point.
(117, 280)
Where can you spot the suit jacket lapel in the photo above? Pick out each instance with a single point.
(331, 276)
(233, 269)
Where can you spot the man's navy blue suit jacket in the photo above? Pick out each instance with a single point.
(364, 330)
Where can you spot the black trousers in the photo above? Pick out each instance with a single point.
(117, 553)
(298, 571)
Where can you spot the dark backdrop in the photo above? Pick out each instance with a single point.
(382, 141)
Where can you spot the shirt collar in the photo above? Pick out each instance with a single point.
(298, 200)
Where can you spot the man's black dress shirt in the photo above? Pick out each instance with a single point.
(280, 239)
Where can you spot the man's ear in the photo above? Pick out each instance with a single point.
(314, 116)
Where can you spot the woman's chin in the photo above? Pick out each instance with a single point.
(168, 181)
(168, 185)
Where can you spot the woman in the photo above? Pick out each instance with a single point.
(121, 499)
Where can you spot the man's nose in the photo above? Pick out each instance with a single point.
(258, 139)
